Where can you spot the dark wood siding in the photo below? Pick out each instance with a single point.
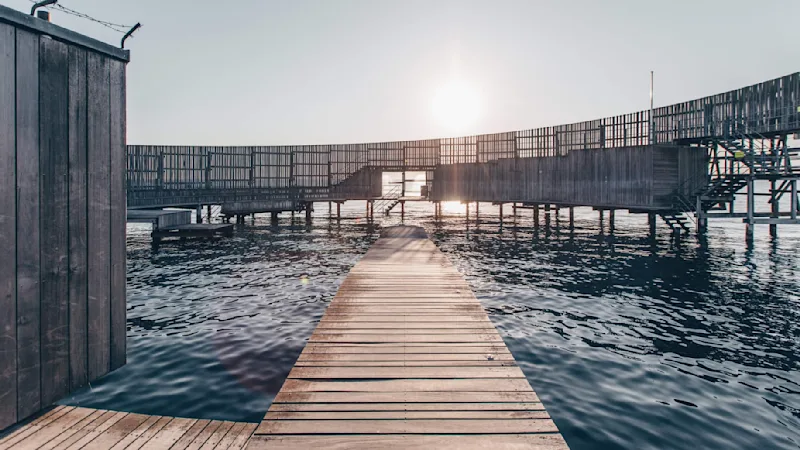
(62, 215)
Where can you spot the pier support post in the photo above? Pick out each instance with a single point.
(749, 228)
(535, 215)
(477, 211)
(338, 211)
(702, 220)
(274, 217)
(572, 217)
(651, 221)
(466, 208)
(309, 210)
(611, 221)
(208, 213)
(773, 227)
(199, 214)
(794, 199)
(330, 210)
(602, 221)
(402, 210)
(501, 214)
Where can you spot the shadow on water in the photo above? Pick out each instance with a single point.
(630, 341)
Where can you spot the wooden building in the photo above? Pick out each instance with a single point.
(62, 212)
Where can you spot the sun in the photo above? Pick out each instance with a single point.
(456, 106)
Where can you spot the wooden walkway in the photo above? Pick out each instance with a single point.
(67, 427)
(405, 357)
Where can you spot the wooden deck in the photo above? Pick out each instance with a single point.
(67, 427)
(406, 357)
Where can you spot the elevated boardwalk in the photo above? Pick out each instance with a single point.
(406, 357)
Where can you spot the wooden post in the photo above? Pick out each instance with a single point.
(501, 214)
(466, 209)
(274, 217)
(602, 219)
(571, 217)
(651, 221)
(477, 211)
(199, 214)
(536, 215)
(402, 210)
(773, 227)
(611, 221)
(749, 228)
(794, 199)
(338, 211)
(309, 210)
(330, 210)
(208, 213)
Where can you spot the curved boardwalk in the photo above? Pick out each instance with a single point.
(405, 357)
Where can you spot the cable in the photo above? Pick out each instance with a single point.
(119, 28)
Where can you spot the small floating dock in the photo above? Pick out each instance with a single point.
(177, 224)
(406, 357)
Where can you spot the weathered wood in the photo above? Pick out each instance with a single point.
(400, 415)
(117, 163)
(54, 429)
(518, 406)
(29, 392)
(405, 372)
(169, 434)
(98, 195)
(54, 207)
(8, 228)
(407, 397)
(410, 442)
(71, 431)
(422, 426)
(77, 227)
(38, 423)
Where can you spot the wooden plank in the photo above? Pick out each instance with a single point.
(98, 195)
(78, 280)
(8, 229)
(36, 424)
(406, 397)
(399, 415)
(432, 338)
(507, 406)
(54, 210)
(434, 358)
(117, 171)
(404, 348)
(142, 429)
(106, 419)
(217, 435)
(94, 415)
(459, 426)
(169, 434)
(203, 435)
(468, 385)
(327, 325)
(387, 364)
(404, 331)
(411, 442)
(243, 438)
(53, 429)
(191, 434)
(405, 372)
(104, 437)
(29, 398)
(232, 434)
(150, 433)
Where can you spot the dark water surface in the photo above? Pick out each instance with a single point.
(630, 343)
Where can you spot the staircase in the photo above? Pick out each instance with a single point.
(389, 200)
(677, 221)
(720, 192)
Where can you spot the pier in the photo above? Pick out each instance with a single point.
(404, 357)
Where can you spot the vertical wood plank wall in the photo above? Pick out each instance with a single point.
(645, 177)
(62, 218)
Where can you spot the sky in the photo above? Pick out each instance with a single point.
(258, 72)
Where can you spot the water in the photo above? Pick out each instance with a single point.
(630, 343)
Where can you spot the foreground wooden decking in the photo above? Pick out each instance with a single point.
(67, 427)
(406, 357)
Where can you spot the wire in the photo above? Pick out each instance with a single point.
(119, 28)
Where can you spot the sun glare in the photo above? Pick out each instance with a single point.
(456, 106)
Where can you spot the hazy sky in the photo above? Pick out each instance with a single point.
(255, 72)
